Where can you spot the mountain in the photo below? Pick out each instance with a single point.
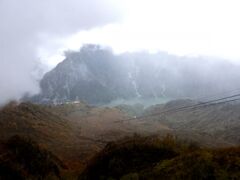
(98, 76)
(219, 121)
(73, 132)
(93, 75)
(42, 125)
(62, 140)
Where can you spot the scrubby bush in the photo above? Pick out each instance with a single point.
(25, 158)
(163, 158)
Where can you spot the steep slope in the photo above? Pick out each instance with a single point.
(93, 75)
(74, 132)
(51, 129)
(97, 76)
(33, 120)
(47, 128)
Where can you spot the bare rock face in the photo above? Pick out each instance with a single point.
(97, 76)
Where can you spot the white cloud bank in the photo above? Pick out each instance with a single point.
(26, 25)
(186, 27)
(44, 29)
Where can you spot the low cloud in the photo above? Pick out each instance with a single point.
(25, 24)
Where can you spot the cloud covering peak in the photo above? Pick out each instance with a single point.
(25, 23)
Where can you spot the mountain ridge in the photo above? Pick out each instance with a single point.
(98, 76)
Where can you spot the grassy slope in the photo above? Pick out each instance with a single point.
(219, 122)
(75, 133)
(49, 129)
(166, 158)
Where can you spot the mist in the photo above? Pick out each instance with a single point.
(34, 36)
(27, 25)
(98, 76)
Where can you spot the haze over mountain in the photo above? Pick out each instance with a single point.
(34, 35)
(119, 89)
(98, 76)
(27, 27)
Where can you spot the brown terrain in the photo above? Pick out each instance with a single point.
(76, 132)
(73, 132)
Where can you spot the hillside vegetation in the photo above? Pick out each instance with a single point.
(166, 158)
(22, 158)
(221, 121)
(74, 140)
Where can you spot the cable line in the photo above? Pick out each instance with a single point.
(182, 108)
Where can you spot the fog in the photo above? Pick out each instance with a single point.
(27, 25)
(34, 35)
(98, 76)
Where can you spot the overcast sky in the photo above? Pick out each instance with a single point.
(28, 25)
(185, 27)
(38, 31)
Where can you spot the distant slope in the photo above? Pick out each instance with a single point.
(221, 122)
(97, 76)
(32, 120)
(74, 132)
(50, 128)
